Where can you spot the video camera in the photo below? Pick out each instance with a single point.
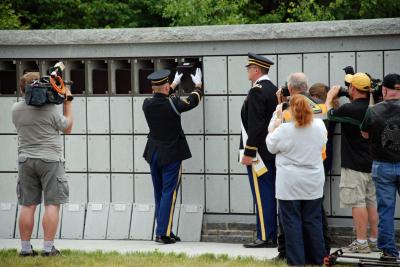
(48, 89)
(345, 91)
(376, 89)
(376, 85)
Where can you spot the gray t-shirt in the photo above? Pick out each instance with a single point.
(38, 131)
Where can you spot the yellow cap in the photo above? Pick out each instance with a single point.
(360, 81)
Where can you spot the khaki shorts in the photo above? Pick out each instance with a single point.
(38, 175)
(356, 189)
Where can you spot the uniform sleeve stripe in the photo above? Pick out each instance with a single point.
(198, 95)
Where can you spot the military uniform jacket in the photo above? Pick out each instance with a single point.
(256, 113)
(166, 135)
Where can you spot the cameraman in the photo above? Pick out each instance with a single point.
(41, 165)
(381, 125)
(356, 189)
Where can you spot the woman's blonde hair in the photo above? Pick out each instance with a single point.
(301, 111)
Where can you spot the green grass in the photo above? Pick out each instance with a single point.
(10, 258)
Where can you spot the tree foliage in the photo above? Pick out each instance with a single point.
(209, 12)
(74, 14)
(308, 10)
(9, 20)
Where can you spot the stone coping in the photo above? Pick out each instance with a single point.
(194, 34)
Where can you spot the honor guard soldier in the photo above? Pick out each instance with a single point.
(166, 146)
(256, 114)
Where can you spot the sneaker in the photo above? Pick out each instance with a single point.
(356, 247)
(373, 245)
(32, 253)
(386, 256)
(53, 252)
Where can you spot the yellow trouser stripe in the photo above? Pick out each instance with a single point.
(259, 205)
(171, 213)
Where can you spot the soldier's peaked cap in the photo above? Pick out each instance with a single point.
(159, 77)
(254, 59)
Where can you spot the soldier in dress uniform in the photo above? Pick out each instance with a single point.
(256, 114)
(166, 146)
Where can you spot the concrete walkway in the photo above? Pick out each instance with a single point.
(188, 248)
(124, 246)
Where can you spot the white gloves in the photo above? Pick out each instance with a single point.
(177, 79)
(197, 77)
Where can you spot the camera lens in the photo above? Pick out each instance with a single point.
(343, 92)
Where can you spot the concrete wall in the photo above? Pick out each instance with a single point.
(103, 153)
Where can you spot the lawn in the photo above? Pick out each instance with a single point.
(10, 258)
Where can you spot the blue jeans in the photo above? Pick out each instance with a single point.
(386, 176)
(302, 225)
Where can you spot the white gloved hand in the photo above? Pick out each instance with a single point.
(177, 79)
(197, 77)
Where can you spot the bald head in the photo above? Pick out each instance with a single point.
(297, 82)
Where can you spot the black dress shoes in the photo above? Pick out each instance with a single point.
(177, 238)
(281, 256)
(165, 239)
(261, 244)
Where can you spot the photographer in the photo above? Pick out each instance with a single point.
(297, 85)
(357, 190)
(381, 125)
(41, 165)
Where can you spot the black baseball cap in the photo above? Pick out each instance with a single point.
(392, 81)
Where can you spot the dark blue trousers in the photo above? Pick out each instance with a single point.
(263, 190)
(302, 225)
(166, 180)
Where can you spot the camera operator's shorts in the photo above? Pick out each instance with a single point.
(356, 189)
(39, 175)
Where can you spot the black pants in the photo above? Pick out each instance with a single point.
(325, 230)
(302, 224)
